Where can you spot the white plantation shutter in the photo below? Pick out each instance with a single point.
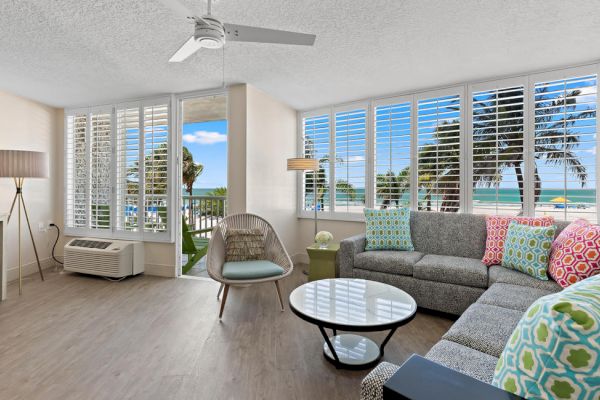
(117, 171)
(100, 169)
(392, 135)
(316, 139)
(350, 159)
(565, 147)
(498, 131)
(76, 170)
(439, 153)
(128, 167)
(155, 164)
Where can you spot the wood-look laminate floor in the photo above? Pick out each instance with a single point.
(79, 337)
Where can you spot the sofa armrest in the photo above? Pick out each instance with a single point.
(420, 379)
(349, 248)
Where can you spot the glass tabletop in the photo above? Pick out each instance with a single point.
(353, 302)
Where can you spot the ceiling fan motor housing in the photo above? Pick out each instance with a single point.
(210, 33)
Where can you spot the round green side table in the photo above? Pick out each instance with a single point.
(322, 261)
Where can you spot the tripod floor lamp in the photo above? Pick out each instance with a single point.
(307, 164)
(18, 164)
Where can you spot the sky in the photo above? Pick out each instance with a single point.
(207, 141)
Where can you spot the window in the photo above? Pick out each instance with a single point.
(565, 147)
(438, 153)
(315, 141)
(350, 160)
(392, 137)
(497, 150)
(528, 146)
(117, 171)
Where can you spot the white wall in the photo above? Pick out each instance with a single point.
(28, 125)
(262, 136)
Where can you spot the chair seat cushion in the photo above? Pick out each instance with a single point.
(463, 359)
(457, 270)
(505, 275)
(389, 262)
(514, 297)
(255, 269)
(484, 328)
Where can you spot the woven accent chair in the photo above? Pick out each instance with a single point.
(274, 252)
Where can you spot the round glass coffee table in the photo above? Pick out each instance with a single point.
(354, 305)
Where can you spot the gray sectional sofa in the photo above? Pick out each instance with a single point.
(445, 273)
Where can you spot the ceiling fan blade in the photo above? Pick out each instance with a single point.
(187, 49)
(180, 9)
(242, 33)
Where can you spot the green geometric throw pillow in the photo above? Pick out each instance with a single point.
(554, 352)
(527, 249)
(388, 229)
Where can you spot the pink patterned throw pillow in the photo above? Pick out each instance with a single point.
(497, 227)
(575, 253)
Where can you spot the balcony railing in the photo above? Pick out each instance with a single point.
(204, 212)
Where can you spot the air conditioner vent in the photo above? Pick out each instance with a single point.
(90, 244)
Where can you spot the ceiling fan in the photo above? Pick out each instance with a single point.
(211, 33)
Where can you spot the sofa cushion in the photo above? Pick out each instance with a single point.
(554, 352)
(496, 229)
(575, 253)
(505, 275)
(527, 249)
(389, 262)
(458, 270)
(464, 360)
(514, 297)
(439, 233)
(484, 328)
(388, 229)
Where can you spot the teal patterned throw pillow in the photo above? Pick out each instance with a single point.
(527, 249)
(554, 352)
(388, 229)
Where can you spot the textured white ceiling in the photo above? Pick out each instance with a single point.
(81, 52)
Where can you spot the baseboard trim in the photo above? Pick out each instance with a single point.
(164, 270)
(12, 273)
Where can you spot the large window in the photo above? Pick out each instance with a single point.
(517, 146)
(316, 144)
(117, 171)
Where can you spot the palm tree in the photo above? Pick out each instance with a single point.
(391, 187)
(497, 148)
(218, 192)
(190, 171)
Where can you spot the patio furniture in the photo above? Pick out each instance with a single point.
(276, 265)
(193, 246)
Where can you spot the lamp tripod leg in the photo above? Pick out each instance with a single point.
(37, 258)
(12, 207)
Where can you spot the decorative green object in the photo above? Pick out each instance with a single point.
(554, 352)
(194, 247)
(527, 249)
(388, 229)
(322, 261)
(323, 238)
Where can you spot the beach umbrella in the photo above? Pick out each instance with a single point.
(560, 200)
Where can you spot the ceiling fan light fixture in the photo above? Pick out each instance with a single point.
(209, 33)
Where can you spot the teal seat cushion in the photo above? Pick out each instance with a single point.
(527, 249)
(255, 269)
(554, 352)
(388, 229)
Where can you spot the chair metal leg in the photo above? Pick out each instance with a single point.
(220, 290)
(279, 295)
(224, 300)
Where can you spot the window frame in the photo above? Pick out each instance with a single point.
(465, 90)
(162, 237)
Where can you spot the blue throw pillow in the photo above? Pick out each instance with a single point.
(388, 229)
(527, 249)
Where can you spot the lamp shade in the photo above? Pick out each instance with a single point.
(302, 164)
(23, 164)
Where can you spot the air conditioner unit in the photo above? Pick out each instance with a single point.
(110, 258)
